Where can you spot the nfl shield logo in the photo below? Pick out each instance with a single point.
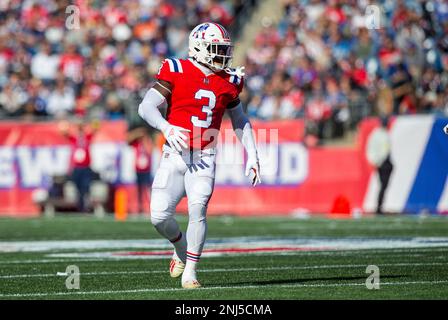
(206, 81)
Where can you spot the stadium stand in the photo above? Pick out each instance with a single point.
(319, 63)
(101, 69)
(322, 64)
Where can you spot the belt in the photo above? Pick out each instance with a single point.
(208, 151)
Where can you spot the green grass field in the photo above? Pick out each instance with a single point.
(249, 258)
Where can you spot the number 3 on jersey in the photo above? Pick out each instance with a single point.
(207, 109)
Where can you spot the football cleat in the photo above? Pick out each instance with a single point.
(176, 268)
(191, 284)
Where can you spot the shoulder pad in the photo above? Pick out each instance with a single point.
(175, 65)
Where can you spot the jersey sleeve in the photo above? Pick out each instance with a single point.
(169, 70)
(238, 83)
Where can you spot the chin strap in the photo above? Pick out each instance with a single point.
(238, 71)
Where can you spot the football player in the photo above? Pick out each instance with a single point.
(197, 92)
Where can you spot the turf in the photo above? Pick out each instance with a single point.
(405, 273)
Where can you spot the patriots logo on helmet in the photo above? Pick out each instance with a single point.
(202, 28)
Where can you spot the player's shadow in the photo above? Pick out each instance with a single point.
(298, 281)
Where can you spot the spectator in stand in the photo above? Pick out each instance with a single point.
(119, 49)
(408, 55)
(71, 64)
(114, 108)
(38, 95)
(12, 98)
(61, 101)
(318, 110)
(44, 64)
(121, 43)
(338, 103)
(80, 141)
(291, 105)
(254, 105)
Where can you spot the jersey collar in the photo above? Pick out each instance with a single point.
(206, 71)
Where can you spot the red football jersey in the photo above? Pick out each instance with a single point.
(81, 149)
(198, 101)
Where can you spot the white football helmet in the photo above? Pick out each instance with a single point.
(210, 44)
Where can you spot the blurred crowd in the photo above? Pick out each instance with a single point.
(320, 63)
(325, 62)
(53, 64)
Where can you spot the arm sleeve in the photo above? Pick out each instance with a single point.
(240, 85)
(243, 129)
(149, 111)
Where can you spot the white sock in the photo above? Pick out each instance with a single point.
(190, 266)
(196, 233)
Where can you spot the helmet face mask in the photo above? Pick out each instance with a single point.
(210, 44)
(221, 54)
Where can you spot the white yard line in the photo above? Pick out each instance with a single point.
(349, 243)
(45, 294)
(37, 261)
(289, 226)
(337, 266)
(409, 252)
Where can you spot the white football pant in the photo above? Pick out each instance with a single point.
(191, 173)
